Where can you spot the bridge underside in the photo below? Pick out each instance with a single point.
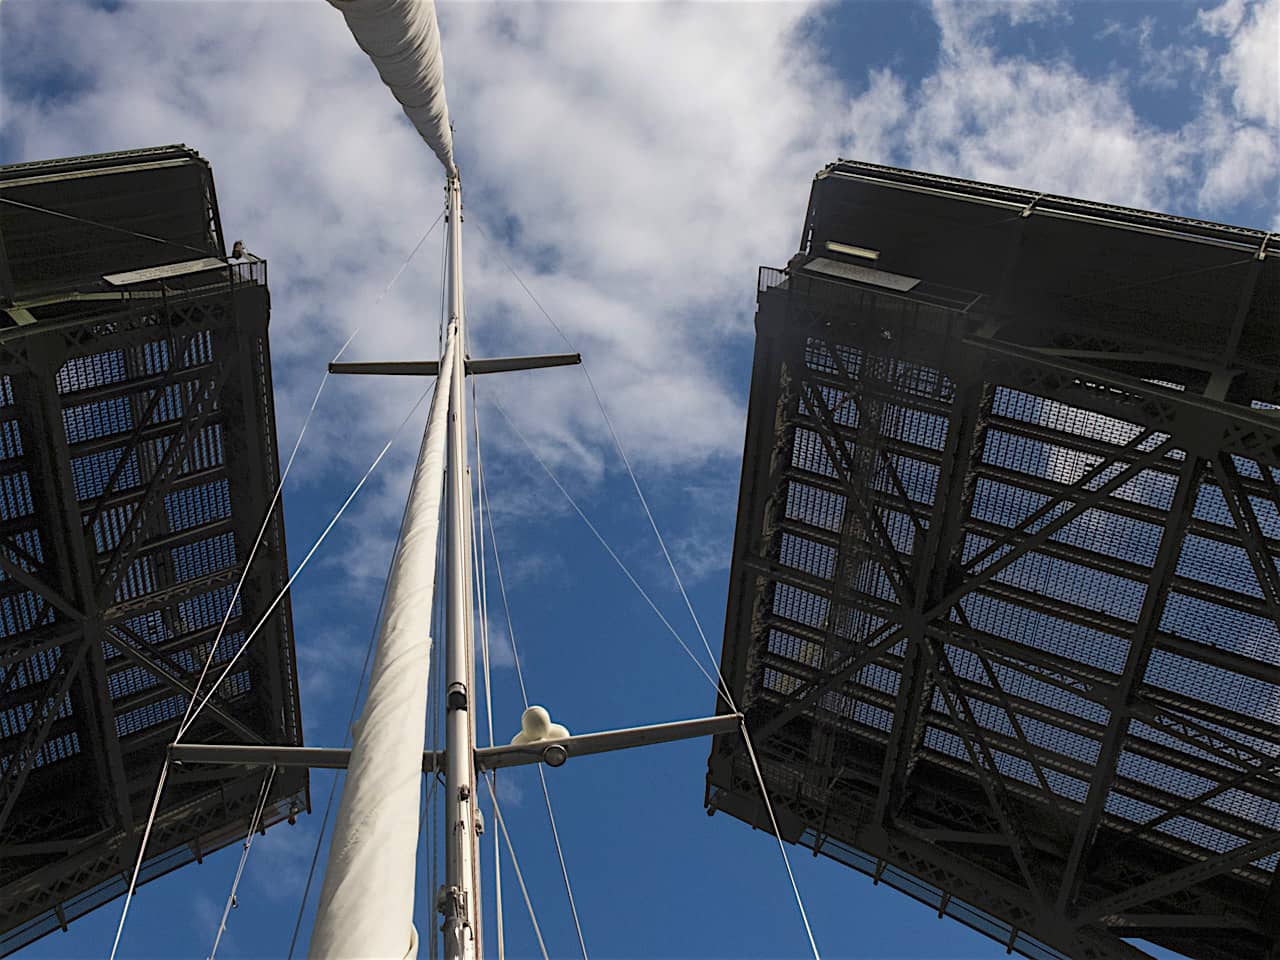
(1004, 611)
(137, 461)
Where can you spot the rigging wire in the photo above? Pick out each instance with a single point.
(193, 714)
(502, 825)
(719, 683)
(515, 654)
(324, 379)
(254, 823)
(307, 559)
(478, 529)
(337, 774)
(603, 542)
(187, 717)
(104, 226)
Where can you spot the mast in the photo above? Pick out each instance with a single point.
(459, 901)
(366, 901)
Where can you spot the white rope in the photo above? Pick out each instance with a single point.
(497, 812)
(254, 823)
(515, 655)
(720, 683)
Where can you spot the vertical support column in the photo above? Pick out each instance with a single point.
(459, 900)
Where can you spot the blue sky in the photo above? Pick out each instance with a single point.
(638, 162)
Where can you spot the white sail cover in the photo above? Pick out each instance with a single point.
(366, 903)
(402, 38)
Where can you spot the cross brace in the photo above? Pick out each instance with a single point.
(552, 752)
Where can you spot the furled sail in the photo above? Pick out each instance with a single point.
(402, 38)
(366, 902)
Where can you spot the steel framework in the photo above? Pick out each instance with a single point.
(137, 461)
(1004, 611)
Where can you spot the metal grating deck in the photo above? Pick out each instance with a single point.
(137, 460)
(1005, 598)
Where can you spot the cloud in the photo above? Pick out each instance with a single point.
(974, 21)
(993, 117)
(1243, 167)
(1162, 67)
(204, 918)
(502, 654)
(510, 793)
(1239, 124)
(1250, 67)
(1047, 124)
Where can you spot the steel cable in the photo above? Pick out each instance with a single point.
(719, 683)
(524, 695)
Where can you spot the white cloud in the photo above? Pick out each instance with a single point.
(1238, 129)
(1243, 168)
(643, 159)
(1223, 19)
(1161, 67)
(1252, 66)
(972, 21)
(1013, 120)
(1048, 125)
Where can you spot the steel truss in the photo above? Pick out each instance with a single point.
(1004, 614)
(137, 459)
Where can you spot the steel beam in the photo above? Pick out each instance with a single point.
(1135, 667)
(45, 591)
(1250, 532)
(90, 698)
(934, 564)
(1188, 876)
(985, 768)
(133, 648)
(195, 413)
(52, 697)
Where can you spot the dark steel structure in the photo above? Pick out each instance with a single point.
(1004, 610)
(137, 463)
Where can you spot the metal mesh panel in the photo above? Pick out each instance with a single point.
(136, 465)
(1007, 576)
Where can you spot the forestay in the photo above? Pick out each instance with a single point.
(402, 38)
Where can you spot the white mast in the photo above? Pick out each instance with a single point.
(366, 902)
(459, 901)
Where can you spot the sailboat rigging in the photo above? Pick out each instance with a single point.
(367, 899)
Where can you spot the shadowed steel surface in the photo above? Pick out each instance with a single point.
(1004, 609)
(137, 461)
